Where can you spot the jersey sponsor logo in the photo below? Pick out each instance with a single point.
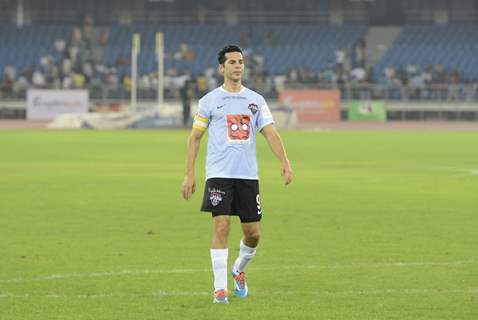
(215, 195)
(238, 127)
(220, 107)
(234, 98)
(253, 107)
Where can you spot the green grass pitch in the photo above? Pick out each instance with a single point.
(376, 225)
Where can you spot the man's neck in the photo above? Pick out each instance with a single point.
(231, 86)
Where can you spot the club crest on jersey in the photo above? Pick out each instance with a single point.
(215, 195)
(253, 107)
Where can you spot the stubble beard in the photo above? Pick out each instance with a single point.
(232, 78)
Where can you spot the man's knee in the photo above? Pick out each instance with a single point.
(252, 233)
(252, 237)
(221, 226)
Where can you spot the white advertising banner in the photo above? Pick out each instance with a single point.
(47, 104)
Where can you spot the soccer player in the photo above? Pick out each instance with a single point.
(233, 115)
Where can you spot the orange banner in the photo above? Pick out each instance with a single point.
(312, 105)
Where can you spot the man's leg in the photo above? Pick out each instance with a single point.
(220, 232)
(247, 250)
(248, 244)
(219, 254)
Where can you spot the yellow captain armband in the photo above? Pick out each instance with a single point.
(200, 122)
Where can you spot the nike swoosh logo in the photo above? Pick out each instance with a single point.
(220, 106)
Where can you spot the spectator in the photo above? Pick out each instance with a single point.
(78, 80)
(340, 59)
(21, 85)
(358, 75)
(186, 95)
(38, 80)
(454, 85)
(201, 85)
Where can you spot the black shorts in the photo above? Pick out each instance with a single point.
(234, 197)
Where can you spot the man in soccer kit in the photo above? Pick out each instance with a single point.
(233, 115)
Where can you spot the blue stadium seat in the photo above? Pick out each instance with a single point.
(453, 46)
(284, 46)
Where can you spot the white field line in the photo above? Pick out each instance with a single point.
(108, 274)
(458, 171)
(161, 293)
(105, 274)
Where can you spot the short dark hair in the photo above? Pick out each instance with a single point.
(221, 56)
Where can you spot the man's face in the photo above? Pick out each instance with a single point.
(233, 67)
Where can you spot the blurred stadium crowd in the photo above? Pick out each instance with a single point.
(423, 62)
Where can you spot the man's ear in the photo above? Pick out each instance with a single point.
(220, 68)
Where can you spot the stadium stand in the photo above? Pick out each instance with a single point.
(296, 45)
(190, 49)
(23, 47)
(285, 46)
(453, 46)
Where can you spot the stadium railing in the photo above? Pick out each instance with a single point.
(209, 16)
(429, 93)
(420, 16)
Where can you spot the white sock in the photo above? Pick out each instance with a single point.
(219, 268)
(245, 255)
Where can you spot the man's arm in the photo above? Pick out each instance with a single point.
(277, 147)
(189, 184)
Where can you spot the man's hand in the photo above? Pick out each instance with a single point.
(286, 172)
(189, 186)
